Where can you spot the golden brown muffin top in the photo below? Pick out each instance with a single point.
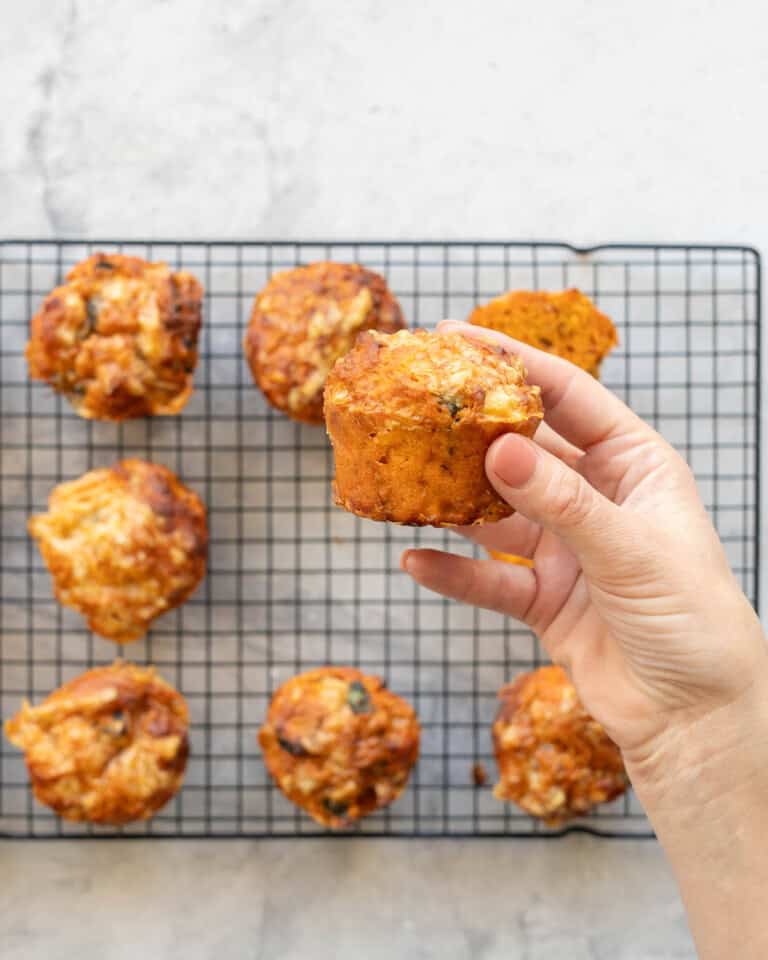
(123, 544)
(303, 321)
(567, 324)
(339, 744)
(443, 378)
(119, 338)
(109, 746)
(555, 761)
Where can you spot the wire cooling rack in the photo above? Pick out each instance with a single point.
(295, 582)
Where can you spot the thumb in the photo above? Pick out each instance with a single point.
(548, 492)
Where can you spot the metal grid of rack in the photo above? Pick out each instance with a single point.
(293, 581)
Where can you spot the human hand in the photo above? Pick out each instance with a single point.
(632, 593)
(630, 589)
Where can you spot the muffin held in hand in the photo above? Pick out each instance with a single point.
(303, 321)
(411, 416)
(110, 746)
(567, 324)
(123, 545)
(119, 338)
(339, 744)
(555, 761)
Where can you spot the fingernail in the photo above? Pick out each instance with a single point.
(512, 460)
(406, 561)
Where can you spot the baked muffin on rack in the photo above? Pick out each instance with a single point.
(411, 416)
(555, 761)
(108, 747)
(303, 321)
(123, 545)
(567, 324)
(339, 744)
(119, 338)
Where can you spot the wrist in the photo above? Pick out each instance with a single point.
(703, 785)
(701, 765)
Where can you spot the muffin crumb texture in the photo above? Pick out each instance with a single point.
(555, 761)
(411, 416)
(119, 338)
(108, 747)
(123, 544)
(339, 744)
(303, 321)
(567, 324)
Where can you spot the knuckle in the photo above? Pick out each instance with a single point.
(571, 500)
(466, 586)
(686, 475)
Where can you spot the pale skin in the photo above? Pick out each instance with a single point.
(631, 592)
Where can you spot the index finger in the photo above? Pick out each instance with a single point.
(576, 405)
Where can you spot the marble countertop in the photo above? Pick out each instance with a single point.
(299, 119)
(577, 899)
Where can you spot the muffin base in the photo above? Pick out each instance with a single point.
(415, 474)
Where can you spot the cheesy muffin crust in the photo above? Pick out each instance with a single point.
(110, 746)
(567, 324)
(411, 416)
(119, 338)
(555, 761)
(123, 545)
(339, 744)
(303, 321)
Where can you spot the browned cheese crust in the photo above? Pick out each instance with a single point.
(411, 417)
(110, 746)
(123, 545)
(119, 338)
(567, 324)
(554, 760)
(339, 744)
(303, 321)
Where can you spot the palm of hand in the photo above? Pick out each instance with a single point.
(621, 628)
(640, 625)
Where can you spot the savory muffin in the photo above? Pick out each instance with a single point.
(123, 545)
(303, 321)
(339, 744)
(119, 338)
(411, 416)
(554, 760)
(567, 324)
(110, 746)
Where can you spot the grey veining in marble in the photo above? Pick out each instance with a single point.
(296, 118)
(301, 118)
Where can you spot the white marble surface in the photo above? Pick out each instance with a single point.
(574, 900)
(291, 119)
